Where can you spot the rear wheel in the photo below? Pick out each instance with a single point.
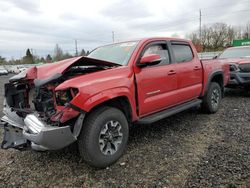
(104, 137)
(212, 98)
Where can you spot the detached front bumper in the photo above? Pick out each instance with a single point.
(45, 136)
(238, 78)
(20, 132)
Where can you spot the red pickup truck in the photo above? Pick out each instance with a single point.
(239, 60)
(93, 100)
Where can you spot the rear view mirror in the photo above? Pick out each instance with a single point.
(150, 59)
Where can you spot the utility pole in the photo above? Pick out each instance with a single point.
(200, 25)
(113, 36)
(76, 47)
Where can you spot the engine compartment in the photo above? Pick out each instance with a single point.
(39, 96)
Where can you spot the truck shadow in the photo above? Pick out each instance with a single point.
(172, 130)
(141, 135)
(236, 93)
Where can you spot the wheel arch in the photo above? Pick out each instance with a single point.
(217, 77)
(120, 102)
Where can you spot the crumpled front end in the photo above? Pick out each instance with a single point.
(36, 113)
(34, 118)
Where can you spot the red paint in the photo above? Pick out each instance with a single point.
(150, 58)
(157, 87)
(48, 70)
(64, 114)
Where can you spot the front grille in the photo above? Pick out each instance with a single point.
(244, 67)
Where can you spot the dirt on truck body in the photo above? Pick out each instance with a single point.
(93, 100)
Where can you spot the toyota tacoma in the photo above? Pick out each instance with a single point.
(94, 100)
(239, 60)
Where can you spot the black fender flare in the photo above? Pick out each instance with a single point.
(210, 78)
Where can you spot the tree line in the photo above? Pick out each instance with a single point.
(30, 58)
(214, 37)
(217, 36)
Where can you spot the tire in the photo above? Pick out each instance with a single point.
(99, 147)
(212, 98)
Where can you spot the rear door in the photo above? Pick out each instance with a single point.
(189, 71)
(156, 84)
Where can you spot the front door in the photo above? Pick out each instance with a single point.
(156, 84)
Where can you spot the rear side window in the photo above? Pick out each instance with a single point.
(182, 52)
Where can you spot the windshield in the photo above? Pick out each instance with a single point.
(236, 53)
(116, 53)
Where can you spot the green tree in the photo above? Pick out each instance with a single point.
(28, 58)
(42, 60)
(83, 53)
(2, 60)
(48, 58)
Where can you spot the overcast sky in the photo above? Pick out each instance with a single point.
(40, 24)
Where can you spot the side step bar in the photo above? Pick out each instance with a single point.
(169, 112)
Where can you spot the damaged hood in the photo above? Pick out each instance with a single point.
(50, 69)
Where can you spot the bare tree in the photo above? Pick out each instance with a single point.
(58, 53)
(194, 37)
(231, 33)
(214, 37)
(246, 34)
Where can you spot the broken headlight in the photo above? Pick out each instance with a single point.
(63, 97)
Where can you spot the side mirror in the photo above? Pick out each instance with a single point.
(215, 57)
(150, 59)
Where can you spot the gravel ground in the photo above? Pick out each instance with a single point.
(190, 149)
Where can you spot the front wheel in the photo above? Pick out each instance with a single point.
(212, 98)
(104, 137)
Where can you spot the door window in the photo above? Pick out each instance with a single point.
(160, 49)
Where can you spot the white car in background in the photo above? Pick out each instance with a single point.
(21, 69)
(3, 71)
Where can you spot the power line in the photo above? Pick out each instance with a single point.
(161, 27)
(176, 23)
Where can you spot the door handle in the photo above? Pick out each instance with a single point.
(196, 68)
(171, 72)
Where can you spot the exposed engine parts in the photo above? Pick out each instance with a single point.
(39, 96)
